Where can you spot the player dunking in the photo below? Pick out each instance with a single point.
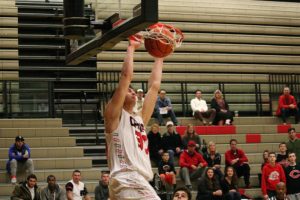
(127, 143)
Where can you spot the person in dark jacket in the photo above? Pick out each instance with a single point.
(101, 190)
(27, 190)
(213, 159)
(229, 185)
(154, 143)
(171, 141)
(166, 171)
(292, 173)
(191, 135)
(53, 191)
(19, 159)
(224, 115)
(209, 187)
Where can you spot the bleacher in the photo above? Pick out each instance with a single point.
(231, 45)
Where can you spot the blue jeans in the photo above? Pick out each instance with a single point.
(170, 114)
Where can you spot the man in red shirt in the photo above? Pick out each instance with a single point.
(192, 164)
(272, 174)
(287, 106)
(238, 160)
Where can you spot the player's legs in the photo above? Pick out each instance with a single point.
(131, 186)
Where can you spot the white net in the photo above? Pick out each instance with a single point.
(166, 34)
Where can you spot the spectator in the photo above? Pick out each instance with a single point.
(236, 157)
(101, 191)
(230, 185)
(191, 164)
(163, 108)
(209, 187)
(224, 115)
(182, 193)
(266, 161)
(281, 157)
(139, 101)
(154, 145)
(27, 190)
(293, 145)
(171, 141)
(200, 109)
(19, 159)
(272, 174)
(287, 106)
(292, 172)
(76, 189)
(191, 135)
(167, 171)
(280, 192)
(53, 191)
(213, 159)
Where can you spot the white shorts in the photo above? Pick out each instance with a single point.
(130, 185)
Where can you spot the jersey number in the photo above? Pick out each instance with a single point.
(141, 139)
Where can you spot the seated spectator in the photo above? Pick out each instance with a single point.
(209, 187)
(101, 191)
(167, 172)
(191, 135)
(229, 185)
(19, 159)
(293, 144)
(292, 172)
(272, 174)
(200, 109)
(287, 106)
(182, 193)
(27, 190)
(238, 160)
(76, 189)
(53, 191)
(224, 115)
(139, 101)
(191, 164)
(171, 141)
(154, 143)
(163, 108)
(213, 159)
(281, 157)
(265, 161)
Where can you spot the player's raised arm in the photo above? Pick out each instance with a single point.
(154, 85)
(114, 107)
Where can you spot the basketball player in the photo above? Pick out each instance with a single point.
(127, 143)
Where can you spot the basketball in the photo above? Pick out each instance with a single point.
(162, 47)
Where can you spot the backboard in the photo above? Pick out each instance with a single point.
(116, 20)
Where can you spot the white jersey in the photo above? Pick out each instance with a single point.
(76, 190)
(128, 147)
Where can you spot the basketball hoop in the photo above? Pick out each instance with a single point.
(157, 32)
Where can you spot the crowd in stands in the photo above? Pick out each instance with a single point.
(20, 162)
(201, 162)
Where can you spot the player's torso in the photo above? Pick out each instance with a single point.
(128, 146)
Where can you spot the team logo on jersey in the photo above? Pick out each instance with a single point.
(139, 126)
(274, 176)
(295, 174)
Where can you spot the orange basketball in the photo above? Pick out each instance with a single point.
(162, 47)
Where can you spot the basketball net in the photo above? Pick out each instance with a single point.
(156, 32)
